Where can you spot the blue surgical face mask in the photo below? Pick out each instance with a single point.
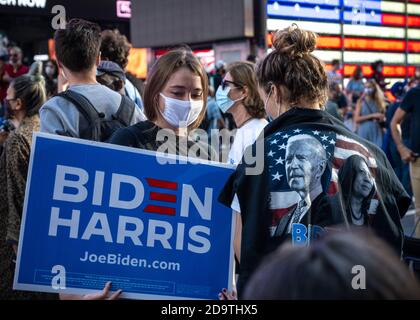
(223, 100)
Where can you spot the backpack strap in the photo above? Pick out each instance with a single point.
(88, 129)
(125, 111)
(83, 105)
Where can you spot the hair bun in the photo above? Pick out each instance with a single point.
(35, 69)
(35, 72)
(294, 42)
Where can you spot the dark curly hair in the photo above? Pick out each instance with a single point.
(115, 47)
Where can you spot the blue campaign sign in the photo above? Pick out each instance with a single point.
(96, 212)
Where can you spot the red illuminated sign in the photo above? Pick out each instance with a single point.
(389, 71)
(366, 44)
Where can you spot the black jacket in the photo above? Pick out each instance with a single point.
(253, 192)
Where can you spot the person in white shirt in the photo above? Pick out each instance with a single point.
(238, 94)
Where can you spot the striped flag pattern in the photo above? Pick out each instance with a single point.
(157, 197)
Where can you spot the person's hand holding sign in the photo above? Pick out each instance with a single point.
(102, 295)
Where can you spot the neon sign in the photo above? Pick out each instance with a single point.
(124, 9)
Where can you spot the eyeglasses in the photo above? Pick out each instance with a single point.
(225, 84)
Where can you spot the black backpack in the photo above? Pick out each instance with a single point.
(92, 124)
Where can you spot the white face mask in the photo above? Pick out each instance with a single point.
(180, 113)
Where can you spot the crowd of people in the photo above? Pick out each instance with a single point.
(345, 160)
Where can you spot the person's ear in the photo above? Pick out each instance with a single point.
(245, 92)
(322, 166)
(18, 105)
(98, 58)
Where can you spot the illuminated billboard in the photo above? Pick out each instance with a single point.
(356, 31)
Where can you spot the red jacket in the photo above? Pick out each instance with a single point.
(20, 71)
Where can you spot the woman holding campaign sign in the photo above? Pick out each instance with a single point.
(304, 147)
(25, 96)
(175, 103)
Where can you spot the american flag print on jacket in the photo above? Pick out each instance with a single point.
(338, 148)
